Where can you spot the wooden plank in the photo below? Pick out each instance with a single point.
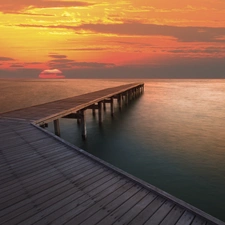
(142, 217)
(27, 169)
(14, 143)
(76, 202)
(102, 185)
(199, 221)
(13, 208)
(12, 195)
(60, 199)
(186, 218)
(13, 201)
(86, 171)
(100, 174)
(160, 214)
(104, 197)
(73, 165)
(122, 209)
(60, 211)
(105, 209)
(82, 168)
(46, 170)
(135, 210)
(28, 179)
(21, 217)
(173, 216)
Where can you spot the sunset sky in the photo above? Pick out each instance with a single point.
(94, 38)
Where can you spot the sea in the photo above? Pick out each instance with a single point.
(172, 136)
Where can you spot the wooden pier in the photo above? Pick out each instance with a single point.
(45, 180)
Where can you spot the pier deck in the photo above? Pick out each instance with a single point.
(57, 109)
(45, 180)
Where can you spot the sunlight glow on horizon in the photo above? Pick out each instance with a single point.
(51, 74)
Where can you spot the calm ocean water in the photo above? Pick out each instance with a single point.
(173, 136)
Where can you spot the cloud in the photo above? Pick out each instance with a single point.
(208, 50)
(29, 14)
(6, 59)
(56, 56)
(19, 73)
(92, 64)
(16, 65)
(86, 49)
(33, 63)
(18, 6)
(51, 74)
(182, 34)
(64, 63)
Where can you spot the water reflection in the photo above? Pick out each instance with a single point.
(171, 137)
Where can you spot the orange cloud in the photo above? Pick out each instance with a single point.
(2, 58)
(51, 74)
(15, 6)
(182, 34)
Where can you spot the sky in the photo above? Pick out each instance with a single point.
(112, 39)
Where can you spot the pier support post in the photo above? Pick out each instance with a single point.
(112, 106)
(120, 101)
(78, 119)
(104, 105)
(93, 112)
(83, 125)
(100, 119)
(127, 98)
(56, 127)
(129, 94)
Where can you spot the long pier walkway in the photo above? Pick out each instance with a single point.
(45, 180)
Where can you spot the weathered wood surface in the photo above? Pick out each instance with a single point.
(45, 180)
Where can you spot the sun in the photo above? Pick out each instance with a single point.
(51, 74)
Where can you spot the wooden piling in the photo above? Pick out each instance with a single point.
(127, 97)
(93, 112)
(104, 105)
(112, 107)
(120, 101)
(83, 125)
(78, 117)
(100, 114)
(139, 90)
(56, 127)
(129, 93)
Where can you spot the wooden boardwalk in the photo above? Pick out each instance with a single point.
(45, 180)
